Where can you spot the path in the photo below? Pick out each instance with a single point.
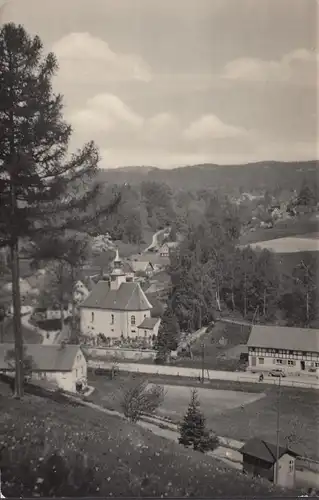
(155, 241)
(195, 373)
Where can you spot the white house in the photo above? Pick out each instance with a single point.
(166, 248)
(294, 350)
(139, 266)
(63, 364)
(149, 327)
(115, 309)
(80, 293)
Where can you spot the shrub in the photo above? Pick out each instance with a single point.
(141, 398)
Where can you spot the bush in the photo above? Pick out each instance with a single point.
(139, 399)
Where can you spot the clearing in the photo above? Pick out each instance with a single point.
(292, 244)
(125, 459)
(234, 410)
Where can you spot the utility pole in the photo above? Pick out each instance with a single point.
(203, 361)
(278, 429)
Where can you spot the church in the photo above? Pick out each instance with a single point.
(118, 309)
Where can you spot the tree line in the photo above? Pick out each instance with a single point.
(210, 272)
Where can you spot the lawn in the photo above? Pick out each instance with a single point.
(218, 356)
(124, 459)
(289, 244)
(234, 410)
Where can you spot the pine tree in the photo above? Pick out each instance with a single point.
(43, 188)
(168, 335)
(193, 430)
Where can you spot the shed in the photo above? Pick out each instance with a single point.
(260, 459)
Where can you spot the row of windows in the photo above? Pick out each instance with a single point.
(133, 319)
(285, 354)
(290, 362)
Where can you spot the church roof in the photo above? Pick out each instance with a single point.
(129, 297)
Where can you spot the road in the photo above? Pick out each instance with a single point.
(211, 374)
(155, 241)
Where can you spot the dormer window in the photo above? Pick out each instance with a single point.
(133, 320)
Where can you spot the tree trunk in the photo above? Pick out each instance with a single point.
(233, 295)
(307, 308)
(18, 340)
(245, 298)
(264, 305)
(73, 332)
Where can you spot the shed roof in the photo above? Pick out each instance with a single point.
(57, 358)
(129, 297)
(258, 448)
(148, 323)
(284, 337)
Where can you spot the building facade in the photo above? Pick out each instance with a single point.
(294, 350)
(63, 365)
(115, 309)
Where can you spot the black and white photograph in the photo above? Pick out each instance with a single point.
(159, 248)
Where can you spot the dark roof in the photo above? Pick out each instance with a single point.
(129, 297)
(265, 451)
(57, 358)
(284, 337)
(148, 323)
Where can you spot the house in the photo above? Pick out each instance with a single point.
(149, 328)
(295, 350)
(260, 459)
(115, 308)
(166, 249)
(80, 293)
(64, 365)
(140, 266)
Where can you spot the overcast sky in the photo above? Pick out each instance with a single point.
(173, 82)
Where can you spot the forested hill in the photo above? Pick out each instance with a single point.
(248, 177)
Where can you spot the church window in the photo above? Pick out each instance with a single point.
(132, 320)
(112, 319)
(92, 317)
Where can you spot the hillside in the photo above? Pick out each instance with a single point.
(249, 177)
(121, 459)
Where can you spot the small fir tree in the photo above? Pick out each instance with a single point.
(193, 431)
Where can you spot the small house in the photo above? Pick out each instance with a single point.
(167, 248)
(260, 459)
(64, 365)
(148, 329)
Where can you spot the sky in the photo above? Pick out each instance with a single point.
(179, 82)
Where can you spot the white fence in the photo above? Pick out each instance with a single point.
(209, 374)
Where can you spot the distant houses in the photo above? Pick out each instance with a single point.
(293, 350)
(166, 249)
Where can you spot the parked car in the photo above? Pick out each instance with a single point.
(277, 372)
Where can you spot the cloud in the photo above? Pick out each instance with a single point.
(84, 58)
(298, 66)
(210, 127)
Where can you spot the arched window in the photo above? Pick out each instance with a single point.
(92, 317)
(132, 320)
(112, 319)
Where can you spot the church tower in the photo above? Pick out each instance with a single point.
(118, 275)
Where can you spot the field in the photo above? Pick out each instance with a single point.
(234, 410)
(122, 459)
(298, 226)
(290, 244)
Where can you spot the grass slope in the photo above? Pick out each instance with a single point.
(299, 409)
(125, 459)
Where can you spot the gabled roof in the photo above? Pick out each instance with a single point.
(265, 451)
(129, 297)
(57, 358)
(138, 265)
(284, 337)
(148, 323)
